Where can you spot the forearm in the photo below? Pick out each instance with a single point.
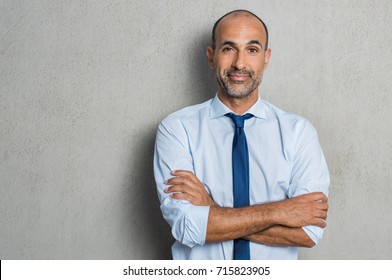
(281, 236)
(231, 223)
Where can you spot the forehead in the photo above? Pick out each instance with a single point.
(239, 28)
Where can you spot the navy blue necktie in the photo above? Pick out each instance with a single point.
(240, 161)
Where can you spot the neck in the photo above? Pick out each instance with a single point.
(238, 105)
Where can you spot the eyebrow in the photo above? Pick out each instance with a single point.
(231, 43)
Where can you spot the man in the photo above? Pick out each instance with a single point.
(253, 189)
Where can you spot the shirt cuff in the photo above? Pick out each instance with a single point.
(196, 220)
(315, 233)
(188, 222)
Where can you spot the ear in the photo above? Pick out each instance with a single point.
(267, 56)
(210, 56)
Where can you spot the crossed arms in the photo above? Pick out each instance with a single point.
(196, 218)
(275, 224)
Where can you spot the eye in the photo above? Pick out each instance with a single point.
(227, 49)
(253, 50)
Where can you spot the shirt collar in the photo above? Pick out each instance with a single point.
(218, 109)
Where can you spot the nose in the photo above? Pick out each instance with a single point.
(239, 61)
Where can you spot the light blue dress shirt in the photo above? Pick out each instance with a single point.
(285, 160)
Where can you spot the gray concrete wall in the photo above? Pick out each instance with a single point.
(84, 84)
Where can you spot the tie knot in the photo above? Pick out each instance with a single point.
(239, 120)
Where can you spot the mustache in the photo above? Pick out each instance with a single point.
(238, 72)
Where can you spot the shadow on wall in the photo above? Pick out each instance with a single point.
(201, 77)
(155, 232)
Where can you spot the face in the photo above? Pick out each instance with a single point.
(239, 58)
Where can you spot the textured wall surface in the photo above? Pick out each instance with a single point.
(84, 84)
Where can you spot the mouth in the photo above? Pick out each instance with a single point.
(238, 77)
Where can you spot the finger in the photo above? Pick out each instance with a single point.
(320, 223)
(181, 173)
(176, 188)
(184, 188)
(322, 214)
(178, 181)
(174, 181)
(187, 174)
(181, 196)
(322, 206)
(318, 196)
(196, 185)
(172, 189)
(323, 197)
(180, 189)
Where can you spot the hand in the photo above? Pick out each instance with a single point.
(304, 210)
(186, 186)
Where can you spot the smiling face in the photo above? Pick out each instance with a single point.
(239, 57)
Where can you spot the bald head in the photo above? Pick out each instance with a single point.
(236, 13)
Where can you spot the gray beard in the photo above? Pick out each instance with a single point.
(231, 91)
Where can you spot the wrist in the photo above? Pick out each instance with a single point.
(276, 213)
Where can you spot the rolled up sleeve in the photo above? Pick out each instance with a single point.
(172, 152)
(310, 172)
